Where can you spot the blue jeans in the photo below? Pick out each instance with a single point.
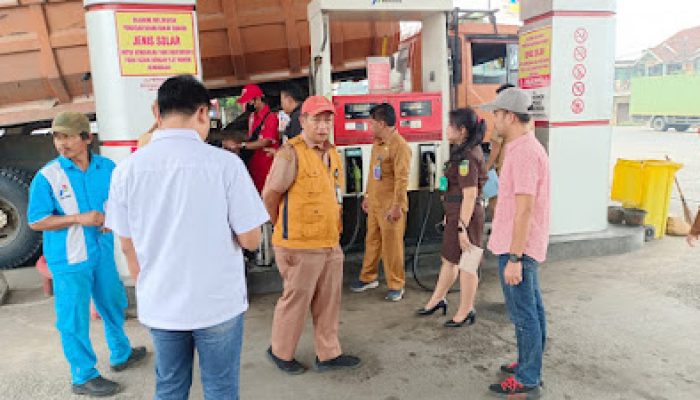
(72, 293)
(525, 309)
(219, 350)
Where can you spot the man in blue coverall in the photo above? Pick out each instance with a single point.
(66, 202)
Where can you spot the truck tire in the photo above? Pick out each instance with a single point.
(19, 245)
(659, 124)
(681, 128)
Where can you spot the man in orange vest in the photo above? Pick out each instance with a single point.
(303, 197)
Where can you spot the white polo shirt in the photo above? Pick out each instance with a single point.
(181, 201)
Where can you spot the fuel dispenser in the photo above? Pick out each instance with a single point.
(421, 117)
(419, 121)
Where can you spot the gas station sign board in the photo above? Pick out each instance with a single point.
(535, 69)
(156, 44)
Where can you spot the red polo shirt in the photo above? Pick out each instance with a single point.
(260, 163)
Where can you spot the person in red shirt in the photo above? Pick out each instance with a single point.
(262, 134)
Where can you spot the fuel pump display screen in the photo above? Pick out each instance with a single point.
(358, 110)
(416, 109)
(354, 152)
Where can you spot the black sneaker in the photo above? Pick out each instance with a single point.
(343, 361)
(293, 367)
(512, 389)
(97, 387)
(137, 355)
(509, 368)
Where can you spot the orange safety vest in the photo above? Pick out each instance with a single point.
(309, 214)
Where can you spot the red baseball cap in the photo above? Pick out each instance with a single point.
(249, 93)
(315, 105)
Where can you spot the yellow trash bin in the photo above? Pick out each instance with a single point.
(646, 184)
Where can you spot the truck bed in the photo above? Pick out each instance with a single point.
(44, 62)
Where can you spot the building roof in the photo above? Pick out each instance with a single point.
(682, 47)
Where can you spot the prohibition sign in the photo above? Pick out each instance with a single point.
(577, 106)
(580, 53)
(579, 71)
(578, 89)
(581, 35)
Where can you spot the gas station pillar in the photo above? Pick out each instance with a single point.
(567, 53)
(134, 47)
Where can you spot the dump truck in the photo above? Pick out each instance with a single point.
(669, 101)
(45, 69)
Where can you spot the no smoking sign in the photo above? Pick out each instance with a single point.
(579, 71)
(578, 89)
(581, 35)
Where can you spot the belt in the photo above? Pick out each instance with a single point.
(457, 198)
(452, 198)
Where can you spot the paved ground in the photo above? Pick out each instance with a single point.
(621, 327)
(643, 143)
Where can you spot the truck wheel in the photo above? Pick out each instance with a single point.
(18, 244)
(659, 124)
(681, 128)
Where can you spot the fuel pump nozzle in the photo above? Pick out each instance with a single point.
(432, 170)
(428, 170)
(428, 180)
(356, 177)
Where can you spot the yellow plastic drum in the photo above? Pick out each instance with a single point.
(646, 184)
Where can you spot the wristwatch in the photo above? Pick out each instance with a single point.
(514, 258)
(243, 145)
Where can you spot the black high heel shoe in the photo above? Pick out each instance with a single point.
(441, 304)
(471, 318)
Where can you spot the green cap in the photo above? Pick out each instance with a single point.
(70, 123)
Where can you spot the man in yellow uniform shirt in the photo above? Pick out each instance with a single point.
(386, 204)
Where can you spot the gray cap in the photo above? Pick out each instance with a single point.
(512, 99)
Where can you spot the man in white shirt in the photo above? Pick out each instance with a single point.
(183, 211)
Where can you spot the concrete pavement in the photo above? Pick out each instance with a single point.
(620, 327)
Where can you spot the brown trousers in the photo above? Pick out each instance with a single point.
(384, 239)
(312, 280)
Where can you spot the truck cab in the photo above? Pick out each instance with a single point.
(485, 56)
